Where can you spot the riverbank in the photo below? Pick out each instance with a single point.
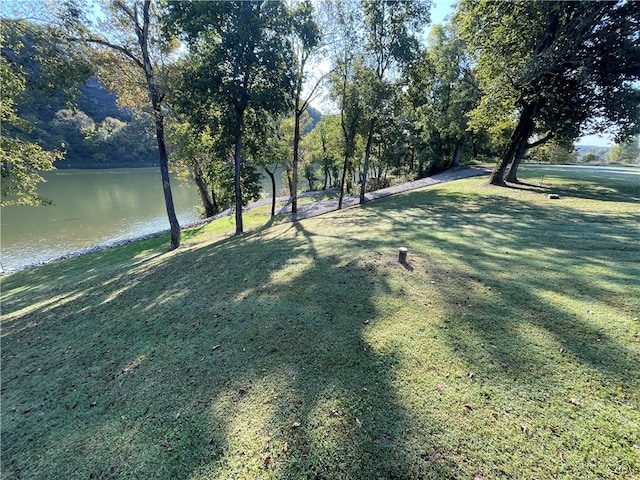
(284, 210)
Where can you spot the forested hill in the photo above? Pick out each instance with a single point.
(92, 130)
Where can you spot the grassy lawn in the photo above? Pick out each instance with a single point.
(507, 347)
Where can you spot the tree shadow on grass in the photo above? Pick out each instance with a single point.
(547, 247)
(246, 357)
(601, 186)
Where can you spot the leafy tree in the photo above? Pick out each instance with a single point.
(555, 152)
(324, 148)
(442, 91)
(305, 40)
(626, 152)
(191, 154)
(553, 69)
(391, 31)
(240, 61)
(134, 56)
(348, 62)
(24, 47)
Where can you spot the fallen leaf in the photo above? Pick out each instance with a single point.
(554, 428)
(439, 387)
(469, 407)
(267, 460)
(285, 447)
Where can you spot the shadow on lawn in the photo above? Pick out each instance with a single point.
(242, 358)
(550, 256)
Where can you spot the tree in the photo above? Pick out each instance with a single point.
(240, 61)
(324, 148)
(305, 40)
(553, 69)
(347, 63)
(25, 48)
(442, 91)
(191, 155)
(130, 41)
(391, 30)
(555, 152)
(626, 152)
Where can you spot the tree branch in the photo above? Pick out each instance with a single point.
(119, 48)
(547, 136)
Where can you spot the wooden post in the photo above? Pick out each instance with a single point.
(402, 254)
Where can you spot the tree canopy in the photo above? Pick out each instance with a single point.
(553, 69)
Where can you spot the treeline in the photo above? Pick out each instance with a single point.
(80, 119)
(226, 87)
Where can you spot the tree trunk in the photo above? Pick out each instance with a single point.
(296, 158)
(517, 158)
(166, 186)
(237, 181)
(520, 134)
(457, 154)
(327, 174)
(345, 168)
(512, 176)
(203, 189)
(142, 33)
(367, 155)
(272, 177)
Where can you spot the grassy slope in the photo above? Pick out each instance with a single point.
(507, 348)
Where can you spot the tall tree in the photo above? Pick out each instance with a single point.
(347, 60)
(391, 31)
(561, 69)
(626, 152)
(129, 38)
(306, 37)
(241, 60)
(442, 90)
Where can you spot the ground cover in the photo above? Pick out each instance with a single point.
(507, 347)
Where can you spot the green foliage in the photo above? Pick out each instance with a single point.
(31, 61)
(324, 148)
(555, 152)
(442, 91)
(553, 69)
(626, 152)
(239, 70)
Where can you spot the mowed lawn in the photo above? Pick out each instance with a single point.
(507, 347)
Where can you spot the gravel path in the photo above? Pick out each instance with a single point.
(326, 206)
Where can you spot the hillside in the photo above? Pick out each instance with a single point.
(504, 347)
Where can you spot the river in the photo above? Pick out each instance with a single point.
(90, 208)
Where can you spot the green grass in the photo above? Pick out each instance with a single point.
(508, 347)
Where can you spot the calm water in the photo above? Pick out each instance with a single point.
(91, 207)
